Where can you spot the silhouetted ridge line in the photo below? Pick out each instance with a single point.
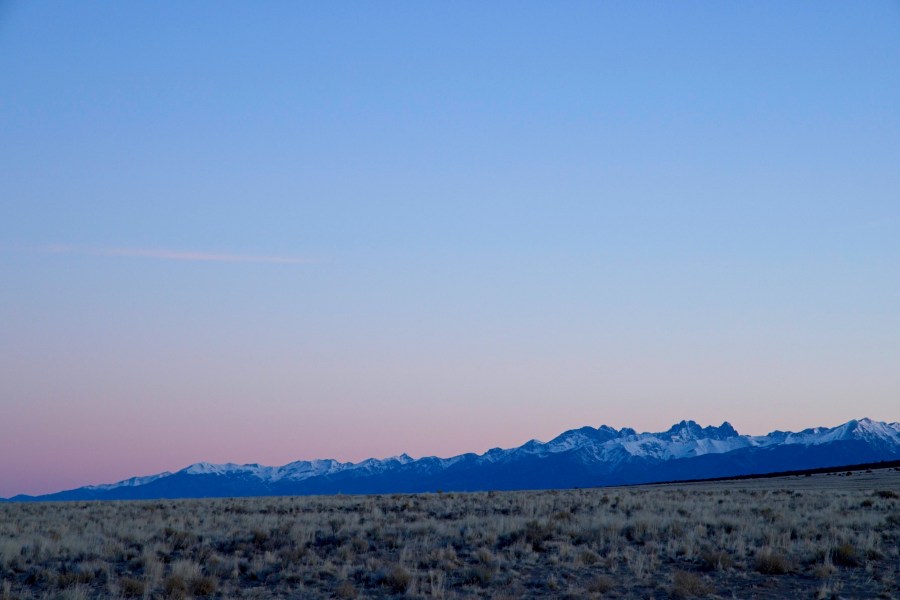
(579, 458)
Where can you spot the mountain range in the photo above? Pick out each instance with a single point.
(585, 457)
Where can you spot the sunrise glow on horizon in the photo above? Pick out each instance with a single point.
(262, 234)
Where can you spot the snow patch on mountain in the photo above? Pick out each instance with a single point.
(862, 429)
(602, 449)
(130, 482)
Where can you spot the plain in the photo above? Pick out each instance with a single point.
(818, 536)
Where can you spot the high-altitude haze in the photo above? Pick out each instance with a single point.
(268, 232)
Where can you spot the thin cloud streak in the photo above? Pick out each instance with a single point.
(165, 254)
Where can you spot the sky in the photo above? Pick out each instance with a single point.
(252, 232)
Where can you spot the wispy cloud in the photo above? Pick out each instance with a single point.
(180, 255)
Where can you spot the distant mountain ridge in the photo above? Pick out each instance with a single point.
(584, 457)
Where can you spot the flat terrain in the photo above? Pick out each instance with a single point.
(819, 536)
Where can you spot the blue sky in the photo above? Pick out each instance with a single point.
(494, 221)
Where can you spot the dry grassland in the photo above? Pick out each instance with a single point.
(824, 536)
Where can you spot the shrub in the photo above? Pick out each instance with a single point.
(131, 587)
(824, 570)
(178, 540)
(715, 560)
(601, 585)
(887, 494)
(397, 579)
(175, 586)
(845, 555)
(346, 590)
(537, 533)
(71, 578)
(203, 586)
(485, 557)
(359, 545)
(686, 585)
(478, 575)
(769, 562)
(508, 539)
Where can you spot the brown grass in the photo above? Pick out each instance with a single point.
(689, 585)
(811, 537)
(771, 562)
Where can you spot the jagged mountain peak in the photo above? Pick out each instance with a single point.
(584, 435)
(868, 428)
(727, 431)
(584, 456)
(686, 431)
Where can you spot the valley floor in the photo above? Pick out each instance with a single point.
(820, 536)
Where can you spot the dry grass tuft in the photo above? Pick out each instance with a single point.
(131, 587)
(770, 562)
(689, 585)
(396, 579)
(715, 560)
(846, 555)
(601, 584)
(202, 586)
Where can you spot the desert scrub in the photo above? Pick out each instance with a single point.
(772, 562)
(396, 579)
(789, 536)
(689, 585)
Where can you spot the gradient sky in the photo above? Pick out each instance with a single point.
(267, 232)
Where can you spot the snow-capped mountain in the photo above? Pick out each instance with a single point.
(577, 458)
